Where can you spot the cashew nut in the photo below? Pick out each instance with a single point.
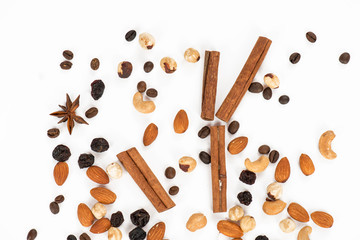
(325, 145)
(258, 165)
(304, 233)
(141, 105)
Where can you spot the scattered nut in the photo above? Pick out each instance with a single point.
(147, 41)
(196, 222)
(236, 213)
(273, 207)
(114, 170)
(187, 164)
(274, 191)
(287, 225)
(98, 210)
(325, 145)
(114, 234)
(306, 165)
(304, 233)
(124, 69)
(247, 223)
(168, 64)
(141, 105)
(258, 165)
(192, 55)
(271, 80)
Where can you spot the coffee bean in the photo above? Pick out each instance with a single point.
(32, 234)
(284, 99)
(264, 149)
(204, 132)
(59, 199)
(84, 236)
(91, 112)
(152, 92)
(130, 35)
(233, 127)
(66, 65)
(174, 190)
(311, 37)
(141, 86)
(267, 93)
(344, 58)
(71, 237)
(68, 54)
(295, 58)
(95, 64)
(256, 87)
(54, 207)
(274, 156)
(148, 66)
(53, 132)
(170, 172)
(205, 157)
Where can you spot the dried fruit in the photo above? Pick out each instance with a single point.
(297, 212)
(61, 172)
(124, 69)
(86, 160)
(140, 217)
(157, 232)
(304, 233)
(247, 223)
(274, 191)
(141, 105)
(97, 89)
(147, 41)
(103, 195)
(53, 132)
(100, 226)
(192, 55)
(32, 234)
(98, 175)
(137, 234)
(99, 145)
(258, 165)
(237, 145)
(322, 219)
(196, 222)
(98, 210)
(306, 165)
(247, 177)
(271, 80)
(262, 237)
(325, 145)
(85, 216)
(245, 198)
(229, 229)
(273, 207)
(150, 134)
(114, 170)
(168, 65)
(287, 225)
(187, 164)
(181, 122)
(114, 234)
(117, 219)
(236, 213)
(61, 153)
(282, 171)
(54, 207)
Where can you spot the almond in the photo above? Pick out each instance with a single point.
(297, 212)
(273, 207)
(150, 134)
(181, 122)
(85, 216)
(229, 229)
(98, 175)
(103, 195)
(100, 226)
(157, 232)
(237, 145)
(282, 171)
(322, 219)
(61, 172)
(306, 165)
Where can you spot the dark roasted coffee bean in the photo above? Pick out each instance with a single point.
(141, 86)
(205, 157)
(53, 132)
(174, 190)
(256, 87)
(344, 58)
(95, 64)
(140, 217)
(117, 219)
(32, 234)
(148, 66)
(68, 55)
(284, 99)
(295, 58)
(311, 37)
(130, 35)
(54, 207)
(152, 92)
(170, 172)
(125, 69)
(65, 65)
(61, 153)
(71, 237)
(97, 89)
(99, 145)
(264, 149)
(59, 199)
(137, 234)
(86, 160)
(274, 156)
(91, 112)
(233, 127)
(204, 132)
(267, 93)
(247, 177)
(84, 236)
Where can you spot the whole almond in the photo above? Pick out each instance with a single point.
(98, 175)
(100, 226)
(297, 212)
(103, 195)
(273, 207)
(322, 219)
(306, 165)
(85, 216)
(157, 232)
(282, 171)
(150, 134)
(181, 122)
(61, 172)
(237, 145)
(229, 229)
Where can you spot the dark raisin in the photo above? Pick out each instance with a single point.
(32, 234)
(247, 177)
(71, 237)
(97, 89)
(137, 234)
(245, 198)
(84, 236)
(61, 153)
(205, 157)
(86, 160)
(140, 217)
(53, 132)
(261, 237)
(59, 199)
(99, 145)
(117, 219)
(54, 207)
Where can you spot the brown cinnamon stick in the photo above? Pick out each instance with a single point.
(210, 77)
(145, 179)
(244, 79)
(218, 168)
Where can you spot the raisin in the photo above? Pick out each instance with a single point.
(137, 234)
(245, 198)
(99, 145)
(247, 177)
(140, 217)
(86, 160)
(116, 219)
(71, 237)
(97, 89)
(261, 237)
(61, 153)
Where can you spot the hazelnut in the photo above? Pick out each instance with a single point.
(168, 64)
(287, 225)
(98, 210)
(192, 55)
(187, 164)
(146, 40)
(114, 234)
(274, 191)
(271, 80)
(236, 213)
(124, 69)
(247, 223)
(114, 170)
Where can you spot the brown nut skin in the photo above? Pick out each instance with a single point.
(325, 145)
(124, 69)
(147, 41)
(192, 55)
(168, 64)
(187, 164)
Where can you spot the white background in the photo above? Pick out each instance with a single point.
(323, 95)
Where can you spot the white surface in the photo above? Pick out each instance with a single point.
(323, 92)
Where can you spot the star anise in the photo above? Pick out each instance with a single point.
(68, 113)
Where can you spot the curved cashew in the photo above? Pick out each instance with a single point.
(325, 145)
(258, 165)
(304, 233)
(141, 105)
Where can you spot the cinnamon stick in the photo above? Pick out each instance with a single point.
(210, 77)
(244, 79)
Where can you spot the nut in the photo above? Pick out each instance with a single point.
(237, 145)
(150, 134)
(196, 222)
(124, 69)
(322, 219)
(282, 171)
(306, 165)
(274, 191)
(181, 122)
(100, 226)
(103, 195)
(297, 212)
(271, 80)
(304, 233)
(61, 172)
(287, 225)
(229, 229)
(192, 55)
(98, 210)
(325, 145)
(258, 165)
(187, 164)
(97, 174)
(85, 216)
(157, 232)
(236, 213)
(168, 64)
(247, 223)
(114, 170)
(147, 41)
(273, 207)
(114, 234)
(141, 105)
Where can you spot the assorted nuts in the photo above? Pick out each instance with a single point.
(114, 170)
(192, 55)
(141, 105)
(147, 41)
(98, 210)
(325, 145)
(247, 223)
(236, 213)
(196, 222)
(187, 164)
(271, 80)
(287, 225)
(168, 65)
(274, 191)
(258, 165)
